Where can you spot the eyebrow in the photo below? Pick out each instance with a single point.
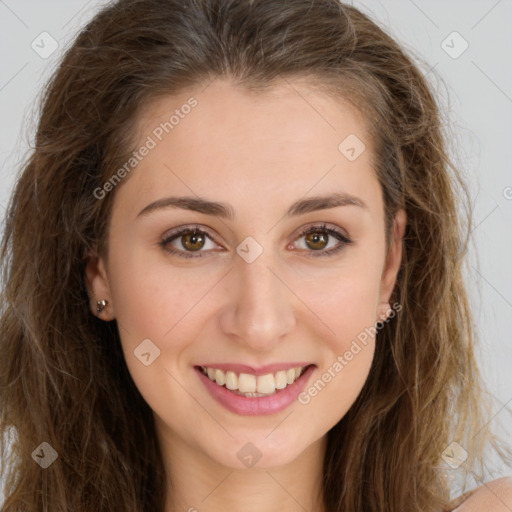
(226, 211)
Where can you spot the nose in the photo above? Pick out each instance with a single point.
(260, 310)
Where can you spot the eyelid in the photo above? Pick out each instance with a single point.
(320, 226)
(176, 233)
(334, 231)
(186, 228)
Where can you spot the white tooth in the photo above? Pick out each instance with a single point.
(280, 379)
(211, 373)
(266, 384)
(290, 376)
(220, 377)
(298, 371)
(231, 380)
(246, 383)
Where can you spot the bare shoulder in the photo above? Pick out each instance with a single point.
(495, 496)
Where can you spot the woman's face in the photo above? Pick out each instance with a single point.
(248, 296)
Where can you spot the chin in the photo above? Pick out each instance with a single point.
(263, 451)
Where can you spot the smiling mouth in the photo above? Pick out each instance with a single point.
(249, 385)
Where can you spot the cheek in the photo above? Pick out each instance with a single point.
(347, 307)
(150, 299)
(151, 305)
(165, 304)
(347, 353)
(347, 301)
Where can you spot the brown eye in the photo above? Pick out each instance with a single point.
(192, 241)
(188, 243)
(321, 241)
(316, 240)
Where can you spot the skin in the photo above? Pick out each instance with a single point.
(495, 496)
(260, 153)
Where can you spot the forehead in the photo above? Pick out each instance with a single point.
(291, 137)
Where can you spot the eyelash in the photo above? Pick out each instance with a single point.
(312, 229)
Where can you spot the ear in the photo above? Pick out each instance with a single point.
(98, 288)
(392, 264)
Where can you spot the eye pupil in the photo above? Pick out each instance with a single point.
(189, 240)
(316, 238)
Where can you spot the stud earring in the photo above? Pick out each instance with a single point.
(102, 304)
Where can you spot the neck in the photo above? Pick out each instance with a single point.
(197, 482)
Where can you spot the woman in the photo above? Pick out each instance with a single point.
(232, 273)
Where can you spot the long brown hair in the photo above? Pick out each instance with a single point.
(63, 379)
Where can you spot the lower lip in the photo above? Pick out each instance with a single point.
(255, 406)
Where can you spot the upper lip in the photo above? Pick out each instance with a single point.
(262, 370)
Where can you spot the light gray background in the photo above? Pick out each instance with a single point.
(475, 89)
